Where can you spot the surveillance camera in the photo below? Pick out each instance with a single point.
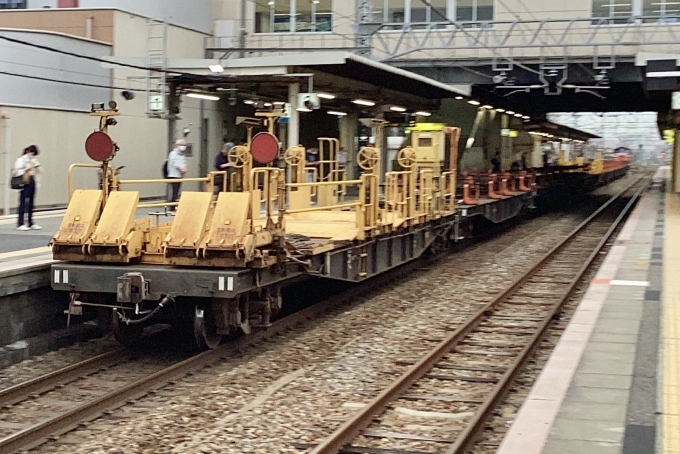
(128, 95)
(186, 132)
(232, 101)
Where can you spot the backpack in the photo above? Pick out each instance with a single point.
(164, 169)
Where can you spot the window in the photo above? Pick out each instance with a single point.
(394, 13)
(282, 16)
(474, 10)
(664, 10)
(619, 11)
(12, 4)
(436, 13)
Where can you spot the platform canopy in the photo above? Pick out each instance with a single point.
(345, 75)
(559, 131)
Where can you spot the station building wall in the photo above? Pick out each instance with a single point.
(59, 127)
(227, 25)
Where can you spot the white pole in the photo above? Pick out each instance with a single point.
(294, 119)
(7, 161)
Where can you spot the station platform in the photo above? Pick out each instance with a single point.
(612, 384)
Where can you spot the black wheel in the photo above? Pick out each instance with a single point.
(128, 335)
(205, 330)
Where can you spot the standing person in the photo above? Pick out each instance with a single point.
(312, 162)
(342, 159)
(222, 164)
(27, 167)
(177, 167)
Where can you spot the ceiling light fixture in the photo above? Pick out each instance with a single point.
(335, 112)
(459, 98)
(510, 112)
(201, 96)
(398, 109)
(474, 103)
(303, 109)
(325, 95)
(248, 101)
(216, 68)
(363, 102)
(487, 107)
(423, 114)
(500, 110)
(518, 115)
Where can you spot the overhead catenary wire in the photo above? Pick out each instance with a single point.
(86, 57)
(69, 82)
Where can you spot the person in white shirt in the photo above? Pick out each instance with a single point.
(28, 167)
(177, 167)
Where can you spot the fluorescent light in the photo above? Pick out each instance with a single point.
(510, 112)
(268, 104)
(659, 74)
(363, 102)
(487, 107)
(325, 95)
(518, 115)
(200, 96)
(279, 103)
(474, 103)
(248, 101)
(500, 110)
(303, 109)
(526, 117)
(216, 68)
(335, 112)
(423, 114)
(459, 98)
(398, 109)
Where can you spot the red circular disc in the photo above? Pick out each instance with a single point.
(99, 146)
(264, 147)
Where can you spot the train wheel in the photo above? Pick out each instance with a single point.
(128, 335)
(205, 330)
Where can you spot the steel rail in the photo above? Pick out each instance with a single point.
(351, 428)
(39, 433)
(44, 383)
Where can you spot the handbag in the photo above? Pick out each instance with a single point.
(17, 182)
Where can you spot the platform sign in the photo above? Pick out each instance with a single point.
(156, 103)
(513, 133)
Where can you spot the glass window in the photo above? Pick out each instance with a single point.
(282, 15)
(465, 10)
(396, 11)
(263, 16)
(324, 15)
(665, 10)
(12, 4)
(277, 16)
(619, 11)
(474, 10)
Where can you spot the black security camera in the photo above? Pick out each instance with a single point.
(128, 95)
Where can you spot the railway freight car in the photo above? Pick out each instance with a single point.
(221, 261)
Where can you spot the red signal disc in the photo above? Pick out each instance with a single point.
(264, 147)
(99, 146)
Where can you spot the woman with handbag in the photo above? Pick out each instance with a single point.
(27, 167)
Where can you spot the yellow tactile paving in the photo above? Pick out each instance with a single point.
(671, 327)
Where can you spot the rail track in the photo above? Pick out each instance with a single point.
(48, 420)
(31, 415)
(458, 384)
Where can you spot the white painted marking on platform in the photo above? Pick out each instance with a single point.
(630, 283)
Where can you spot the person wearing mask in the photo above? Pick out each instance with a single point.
(177, 167)
(342, 159)
(222, 164)
(27, 167)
